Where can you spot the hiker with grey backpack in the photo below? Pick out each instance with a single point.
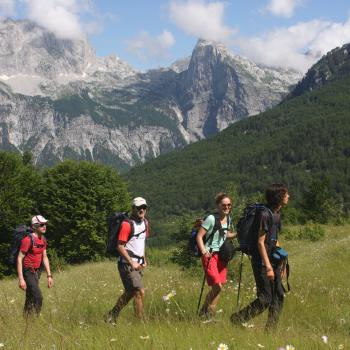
(214, 245)
(268, 259)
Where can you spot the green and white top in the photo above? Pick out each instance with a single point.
(218, 238)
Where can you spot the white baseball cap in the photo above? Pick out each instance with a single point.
(138, 201)
(38, 219)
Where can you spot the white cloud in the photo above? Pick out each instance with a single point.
(62, 17)
(201, 19)
(298, 46)
(283, 8)
(7, 8)
(155, 48)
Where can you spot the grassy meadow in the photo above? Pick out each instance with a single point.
(316, 313)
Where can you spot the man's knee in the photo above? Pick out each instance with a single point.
(139, 293)
(38, 299)
(265, 299)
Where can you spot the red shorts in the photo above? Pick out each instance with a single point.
(217, 270)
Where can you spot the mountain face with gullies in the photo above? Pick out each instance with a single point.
(59, 100)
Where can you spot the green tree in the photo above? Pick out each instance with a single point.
(20, 186)
(77, 198)
(320, 204)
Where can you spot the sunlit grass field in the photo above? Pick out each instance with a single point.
(316, 313)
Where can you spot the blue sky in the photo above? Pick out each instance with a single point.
(153, 33)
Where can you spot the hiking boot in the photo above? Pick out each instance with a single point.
(111, 317)
(206, 315)
(236, 319)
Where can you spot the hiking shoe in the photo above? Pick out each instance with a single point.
(236, 319)
(111, 317)
(206, 315)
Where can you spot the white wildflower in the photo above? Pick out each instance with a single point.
(168, 296)
(341, 346)
(113, 340)
(222, 346)
(290, 347)
(207, 321)
(260, 346)
(245, 324)
(325, 339)
(144, 337)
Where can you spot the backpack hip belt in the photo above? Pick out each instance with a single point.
(140, 259)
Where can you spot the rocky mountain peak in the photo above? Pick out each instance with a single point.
(32, 53)
(28, 48)
(334, 65)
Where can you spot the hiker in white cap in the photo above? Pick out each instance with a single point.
(31, 256)
(131, 262)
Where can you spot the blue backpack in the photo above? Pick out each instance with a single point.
(192, 243)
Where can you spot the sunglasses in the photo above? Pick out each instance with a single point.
(226, 205)
(40, 225)
(142, 207)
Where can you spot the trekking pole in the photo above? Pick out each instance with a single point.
(201, 293)
(240, 279)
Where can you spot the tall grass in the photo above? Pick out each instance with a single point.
(73, 309)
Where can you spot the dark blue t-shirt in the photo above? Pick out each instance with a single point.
(270, 223)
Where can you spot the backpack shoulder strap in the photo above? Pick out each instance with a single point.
(286, 290)
(217, 226)
(30, 235)
(145, 230)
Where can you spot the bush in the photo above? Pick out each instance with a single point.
(57, 263)
(183, 258)
(77, 198)
(310, 231)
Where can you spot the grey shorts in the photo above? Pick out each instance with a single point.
(132, 279)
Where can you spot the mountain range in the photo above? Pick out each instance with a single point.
(303, 142)
(59, 100)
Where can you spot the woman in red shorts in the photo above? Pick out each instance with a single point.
(212, 234)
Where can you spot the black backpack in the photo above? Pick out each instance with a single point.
(18, 234)
(247, 228)
(114, 222)
(192, 243)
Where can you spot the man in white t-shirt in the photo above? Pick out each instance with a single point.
(132, 261)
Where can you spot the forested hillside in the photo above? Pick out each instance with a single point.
(303, 140)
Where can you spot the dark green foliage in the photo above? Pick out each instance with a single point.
(76, 199)
(310, 232)
(180, 255)
(303, 139)
(319, 204)
(20, 188)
